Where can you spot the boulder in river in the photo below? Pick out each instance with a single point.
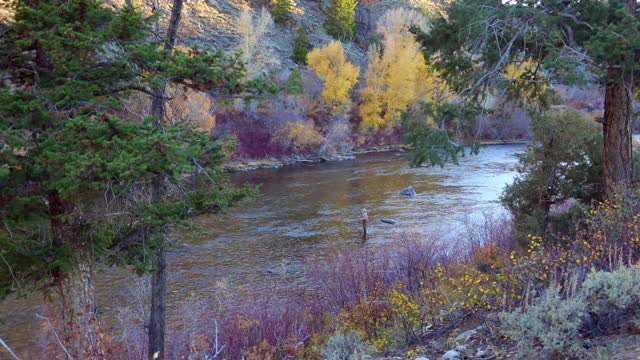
(389, 221)
(408, 191)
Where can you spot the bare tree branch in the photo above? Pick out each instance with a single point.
(16, 356)
(56, 335)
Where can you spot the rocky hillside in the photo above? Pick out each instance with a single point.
(213, 24)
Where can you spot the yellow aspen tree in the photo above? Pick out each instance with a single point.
(337, 72)
(372, 95)
(406, 65)
(399, 75)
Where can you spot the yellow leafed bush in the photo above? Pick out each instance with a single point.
(191, 105)
(298, 135)
(185, 104)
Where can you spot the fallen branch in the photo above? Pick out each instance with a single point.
(56, 335)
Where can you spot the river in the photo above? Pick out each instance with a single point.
(310, 209)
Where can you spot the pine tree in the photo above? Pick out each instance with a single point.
(301, 46)
(341, 19)
(74, 165)
(281, 10)
(294, 83)
(569, 41)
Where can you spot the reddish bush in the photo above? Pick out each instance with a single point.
(254, 134)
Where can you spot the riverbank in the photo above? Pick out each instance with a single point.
(238, 165)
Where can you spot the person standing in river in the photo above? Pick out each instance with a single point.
(364, 217)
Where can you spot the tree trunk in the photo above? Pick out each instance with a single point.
(618, 154)
(158, 304)
(81, 328)
(159, 278)
(82, 336)
(159, 272)
(616, 129)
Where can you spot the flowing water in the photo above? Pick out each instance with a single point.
(311, 209)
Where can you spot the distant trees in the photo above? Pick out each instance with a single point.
(397, 74)
(301, 46)
(294, 85)
(337, 72)
(341, 19)
(281, 10)
(252, 28)
(339, 76)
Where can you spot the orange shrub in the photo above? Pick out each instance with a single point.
(298, 136)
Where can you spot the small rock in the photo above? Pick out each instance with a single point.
(451, 355)
(482, 353)
(408, 191)
(389, 221)
(467, 335)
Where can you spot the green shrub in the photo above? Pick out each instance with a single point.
(294, 83)
(617, 291)
(563, 162)
(301, 47)
(346, 345)
(341, 19)
(281, 10)
(552, 320)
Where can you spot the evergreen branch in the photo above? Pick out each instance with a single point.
(575, 19)
(502, 61)
(130, 239)
(204, 171)
(128, 87)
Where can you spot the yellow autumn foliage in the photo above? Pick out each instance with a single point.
(514, 71)
(185, 104)
(398, 75)
(191, 105)
(298, 135)
(519, 74)
(372, 95)
(337, 72)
